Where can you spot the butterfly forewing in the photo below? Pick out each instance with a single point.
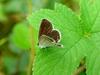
(45, 28)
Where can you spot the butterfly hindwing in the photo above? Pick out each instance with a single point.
(55, 35)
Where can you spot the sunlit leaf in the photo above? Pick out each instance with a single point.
(78, 38)
(90, 16)
(58, 61)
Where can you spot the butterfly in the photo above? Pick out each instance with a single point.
(48, 36)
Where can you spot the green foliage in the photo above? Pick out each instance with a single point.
(2, 15)
(93, 63)
(20, 33)
(80, 37)
(16, 64)
(90, 16)
(56, 60)
(24, 60)
(12, 12)
(83, 73)
(17, 6)
(11, 68)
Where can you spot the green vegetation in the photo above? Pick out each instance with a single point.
(78, 23)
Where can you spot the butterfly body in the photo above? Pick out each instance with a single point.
(47, 36)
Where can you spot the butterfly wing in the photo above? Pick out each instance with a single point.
(46, 41)
(45, 28)
(55, 35)
(47, 36)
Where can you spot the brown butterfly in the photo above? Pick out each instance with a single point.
(48, 37)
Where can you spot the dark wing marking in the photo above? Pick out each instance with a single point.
(55, 35)
(45, 28)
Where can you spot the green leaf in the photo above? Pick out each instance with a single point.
(2, 15)
(79, 38)
(10, 64)
(58, 61)
(20, 36)
(93, 63)
(15, 49)
(93, 66)
(69, 18)
(24, 60)
(16, 6)
(2, 41)
(90, 15)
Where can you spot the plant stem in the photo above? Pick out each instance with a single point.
(79, 70)
(32, 51)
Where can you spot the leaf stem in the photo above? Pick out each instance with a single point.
(79, 70)
(32, 51)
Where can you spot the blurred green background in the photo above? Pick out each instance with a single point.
(14, 51)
